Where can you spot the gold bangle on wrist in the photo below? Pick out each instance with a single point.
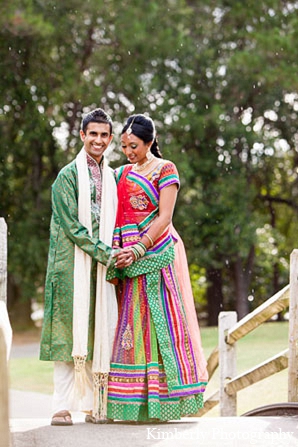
(149, 238)
(138, 250)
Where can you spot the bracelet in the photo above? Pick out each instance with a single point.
(141, 247)
(135, 253)
(149, 238)
(138, 250)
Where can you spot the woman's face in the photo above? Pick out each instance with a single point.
(134, 148)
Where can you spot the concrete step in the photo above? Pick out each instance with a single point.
(30, 417)
(199, 432)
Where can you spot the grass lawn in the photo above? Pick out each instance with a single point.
(30, 374)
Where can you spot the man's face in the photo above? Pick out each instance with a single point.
(96, 139)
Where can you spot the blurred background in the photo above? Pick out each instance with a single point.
(219, 78)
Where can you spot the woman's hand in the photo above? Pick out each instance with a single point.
(124, 257)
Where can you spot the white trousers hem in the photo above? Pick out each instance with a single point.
(64, 397)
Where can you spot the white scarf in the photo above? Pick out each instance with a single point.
(106, 304)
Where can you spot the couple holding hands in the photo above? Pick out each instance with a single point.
(119, 317)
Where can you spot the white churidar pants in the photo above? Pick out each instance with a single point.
(64, 397)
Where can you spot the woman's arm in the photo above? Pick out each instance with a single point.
(167, 201)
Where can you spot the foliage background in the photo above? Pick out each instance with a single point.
(219, 78)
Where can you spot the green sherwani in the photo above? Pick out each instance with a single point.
(65, 232)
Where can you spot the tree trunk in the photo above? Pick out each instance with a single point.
(19, 309)
(214, 295)
(242, 277)
(241, 289)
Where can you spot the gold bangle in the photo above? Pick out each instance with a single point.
(135, 253)
(138, 250)
(149, 238)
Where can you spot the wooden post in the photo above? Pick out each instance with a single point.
(4, 416)
(4, 318)
(227, 364)
(4, 325)
(3, 260)
(293, 330)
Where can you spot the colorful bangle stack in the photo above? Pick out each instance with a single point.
(138, 250)
(149, 238)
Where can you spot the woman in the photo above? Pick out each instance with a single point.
(155, 372)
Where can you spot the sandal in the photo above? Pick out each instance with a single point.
(62, 418)
(93, 420)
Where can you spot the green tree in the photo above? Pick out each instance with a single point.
(219, 79)
(229, 108)
(57, 61)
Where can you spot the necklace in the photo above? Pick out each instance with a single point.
(137, 167)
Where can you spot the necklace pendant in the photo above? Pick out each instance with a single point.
(150, 158)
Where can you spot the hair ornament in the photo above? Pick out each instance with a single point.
(129, 129)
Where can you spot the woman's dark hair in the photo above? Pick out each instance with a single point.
(143, 127)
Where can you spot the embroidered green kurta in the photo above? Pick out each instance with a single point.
(65, 232)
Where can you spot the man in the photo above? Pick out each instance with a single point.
(80, 312)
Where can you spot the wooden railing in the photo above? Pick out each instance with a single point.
(229, 331)
(5, 335)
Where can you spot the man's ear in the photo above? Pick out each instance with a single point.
(82, 135)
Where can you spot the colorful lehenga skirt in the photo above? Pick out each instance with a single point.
(153, 371)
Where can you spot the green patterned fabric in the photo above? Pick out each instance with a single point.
(65, 232)
(173, 409)
(149, 263)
